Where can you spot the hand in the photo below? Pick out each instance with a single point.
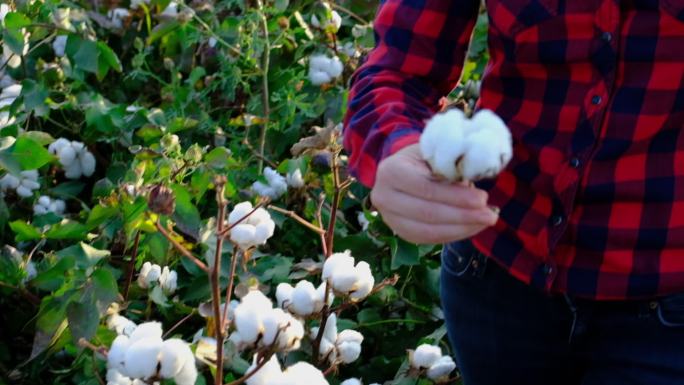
(423, 210)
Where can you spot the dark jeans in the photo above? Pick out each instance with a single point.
(507, 333)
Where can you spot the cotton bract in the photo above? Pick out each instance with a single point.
(346, 278)
(23, 184)
(74, 157)
(253, 230)
(275, 186)
(457, 148)
(323, 69)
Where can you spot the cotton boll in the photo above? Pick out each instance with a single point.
(344, 278)
(295, 179)
(425, 356)
(351, 381)
(267, 374)
(441, 368)
(188, 374)
(142, 356)
(121, 325)
(171, 11)
(264, 190)
(303, 298)
(40, 210)
(263, 231)
(272, 321)
(348, 352)
(291, 337)
(11, 92)
(335, 261)
(117, 353)
(147, 330)
(305, 373)
(239, 211)
(4, 10)
(87, 163)
(350, 336)
(59, 45)
(330, 331)
(9, 181)
(142, 276)
(335, 67)
(258, 216)
(173, 356)
(30, 184)
(66, 155)
(117, 16)
(168, 280)
(318, 78)
(73, 171)
(243, 235)
(365, 282)
(320, 297)
(24, 192)
(58, 144)
(114, 377)
(153, 275)
(248, 323)
(44, 200)
(275, 180)
(284, 294)
(258, 300)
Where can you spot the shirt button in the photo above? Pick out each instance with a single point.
(557, 220)
(596, 100)
(575, 162)
(607, 37)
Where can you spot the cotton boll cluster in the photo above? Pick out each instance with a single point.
(46, 205)
(430, 358)
(343, 347)
(272, 373)
(257, 322)
(303, 299)
(59, 45)
(144, 354)
(347, 279)
(152, 274)
(275, 186)
(294, 179)
(23, 184)
(117, 17)
(254, 230)
(74, 157)
(457, 148)
(323, 69)
(329, 24)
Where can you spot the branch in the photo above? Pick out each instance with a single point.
(229, 289)
(220, 183)
(266, 62)
(131, 264)
(185, 252)
(299, 219)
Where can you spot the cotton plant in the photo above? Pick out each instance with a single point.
(145, 355)
(429, 360)
(23, 184)
(275, 186)
(74, 157)
(45, 205)
(257, 322)
(152, 274)
(462, 149)
(324, 69)
(250, 227)
(347, 278)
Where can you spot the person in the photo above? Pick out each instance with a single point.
(579, 278)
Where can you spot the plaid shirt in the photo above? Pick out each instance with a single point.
(592, 203)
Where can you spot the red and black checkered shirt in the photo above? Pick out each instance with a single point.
(592, 203)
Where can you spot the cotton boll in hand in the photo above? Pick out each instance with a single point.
(458, 149)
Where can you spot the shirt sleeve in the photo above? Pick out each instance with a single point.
(419, 54)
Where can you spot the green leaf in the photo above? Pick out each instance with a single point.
(16, 20)
(85, 255)
(53, 278)
(403, 253)
(105, 289)
(40, 137)
(67, 229)
(83, 53)
(83, 319)
(35, 95)
(109, 57)
(99, 214)
(23, 231)
(30, 154)
(186, 215)
(161, 30)
(7, 160)
(218, 158)
(70, 189)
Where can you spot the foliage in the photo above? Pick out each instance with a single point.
(195, 98)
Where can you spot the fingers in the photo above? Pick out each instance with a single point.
(427, 233)
(404, 205)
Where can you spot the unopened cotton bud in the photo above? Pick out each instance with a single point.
(441, 368)
(425, 355)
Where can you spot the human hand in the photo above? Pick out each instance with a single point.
(423, 210)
